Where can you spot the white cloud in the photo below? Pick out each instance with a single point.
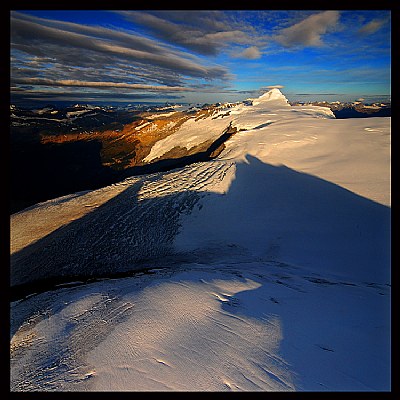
(309, 31)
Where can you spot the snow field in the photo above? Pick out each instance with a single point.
(215, 327)
(271, 267)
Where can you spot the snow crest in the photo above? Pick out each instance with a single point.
(274, 95)
(212, 123)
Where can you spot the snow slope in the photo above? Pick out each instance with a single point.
(306, 189)
(205, 327)
(353, 155)
(271, 267)
(198, 130)
(192, 133)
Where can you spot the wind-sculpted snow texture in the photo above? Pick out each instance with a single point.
(256, 326)
(269, 266)
(108, 230)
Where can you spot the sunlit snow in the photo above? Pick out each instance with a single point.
(264, 269)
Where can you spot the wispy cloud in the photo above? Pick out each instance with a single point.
(106, 85)
(196, 52)
(46, 51)
(250, 53)
(36, 39)
(37, 95)
(309, 31)
(204, 32)
(372, 27)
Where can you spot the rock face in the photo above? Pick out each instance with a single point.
(57, 159)
(126, 147)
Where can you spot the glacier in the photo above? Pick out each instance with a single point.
(266, 268)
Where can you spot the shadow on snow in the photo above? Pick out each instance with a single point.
(272, 211)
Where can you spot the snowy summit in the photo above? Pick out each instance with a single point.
(266, 268)
(273, 95)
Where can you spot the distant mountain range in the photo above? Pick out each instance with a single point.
(355, 109)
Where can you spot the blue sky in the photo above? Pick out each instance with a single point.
(199, 56)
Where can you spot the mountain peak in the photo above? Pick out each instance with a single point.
(272, 95)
